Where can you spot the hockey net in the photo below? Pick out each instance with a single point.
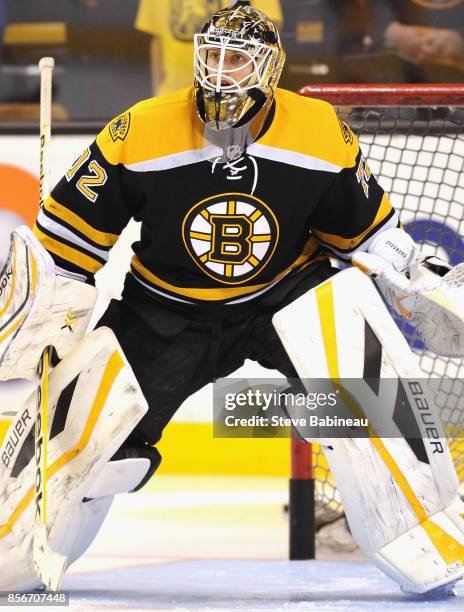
(413, 139)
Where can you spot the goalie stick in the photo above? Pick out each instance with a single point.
(48, 564)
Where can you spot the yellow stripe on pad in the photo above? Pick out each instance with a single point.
(112, 369)
(449, 548)
(12, 329)
(10, 298)
(325, 304)
(34, 273)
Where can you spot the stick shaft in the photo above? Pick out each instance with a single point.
(46, 65)
(41, 438)
(49, 565)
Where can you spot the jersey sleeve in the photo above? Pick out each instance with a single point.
(354, 208)
(90, 206)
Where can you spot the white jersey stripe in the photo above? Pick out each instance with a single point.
(187, 158)
(176, 160)
(168, 295)
(292, 158)
(63, 232)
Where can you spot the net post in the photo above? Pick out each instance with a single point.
(301, 502)
(387, 94)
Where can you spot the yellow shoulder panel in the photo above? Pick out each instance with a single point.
(311, 127)
(152, 128)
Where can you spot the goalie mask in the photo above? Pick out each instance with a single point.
(238, 62)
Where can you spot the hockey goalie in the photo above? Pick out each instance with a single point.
(244, 192)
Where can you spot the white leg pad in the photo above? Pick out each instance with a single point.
(103, 400)
(415, 548)
(402, 504)
(119, 477)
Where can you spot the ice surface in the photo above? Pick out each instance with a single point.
(270, 585)
(206, 544)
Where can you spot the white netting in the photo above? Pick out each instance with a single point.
(455, 277)
(417, 155)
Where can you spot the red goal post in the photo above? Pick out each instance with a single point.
(412, 136)
(379, 95)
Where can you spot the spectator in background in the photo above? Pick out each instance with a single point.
(327, 41)
(427, 34)
(172, 24)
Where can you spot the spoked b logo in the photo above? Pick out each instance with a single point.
(231, 236)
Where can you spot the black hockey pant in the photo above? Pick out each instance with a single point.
(173, 354)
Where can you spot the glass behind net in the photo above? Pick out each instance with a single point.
(413, 141)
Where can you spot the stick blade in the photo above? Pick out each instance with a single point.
(49, 565)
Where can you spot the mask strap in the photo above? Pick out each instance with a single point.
(259, 100)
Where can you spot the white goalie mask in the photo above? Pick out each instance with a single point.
(238, 62)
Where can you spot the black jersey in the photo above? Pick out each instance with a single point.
(214, 232)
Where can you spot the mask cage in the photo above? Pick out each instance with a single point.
(259, 57)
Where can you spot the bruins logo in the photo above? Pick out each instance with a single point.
(119, 127)
(346, 132)
(230, 236)
(189, 16)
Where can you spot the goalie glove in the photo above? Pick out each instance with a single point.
(399, 268)
(424, 289)
(38, 307)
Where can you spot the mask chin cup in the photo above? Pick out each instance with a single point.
(200, 104)
(259, 101)
(257, 96)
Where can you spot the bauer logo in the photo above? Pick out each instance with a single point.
(15, 436)
(230, 236)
